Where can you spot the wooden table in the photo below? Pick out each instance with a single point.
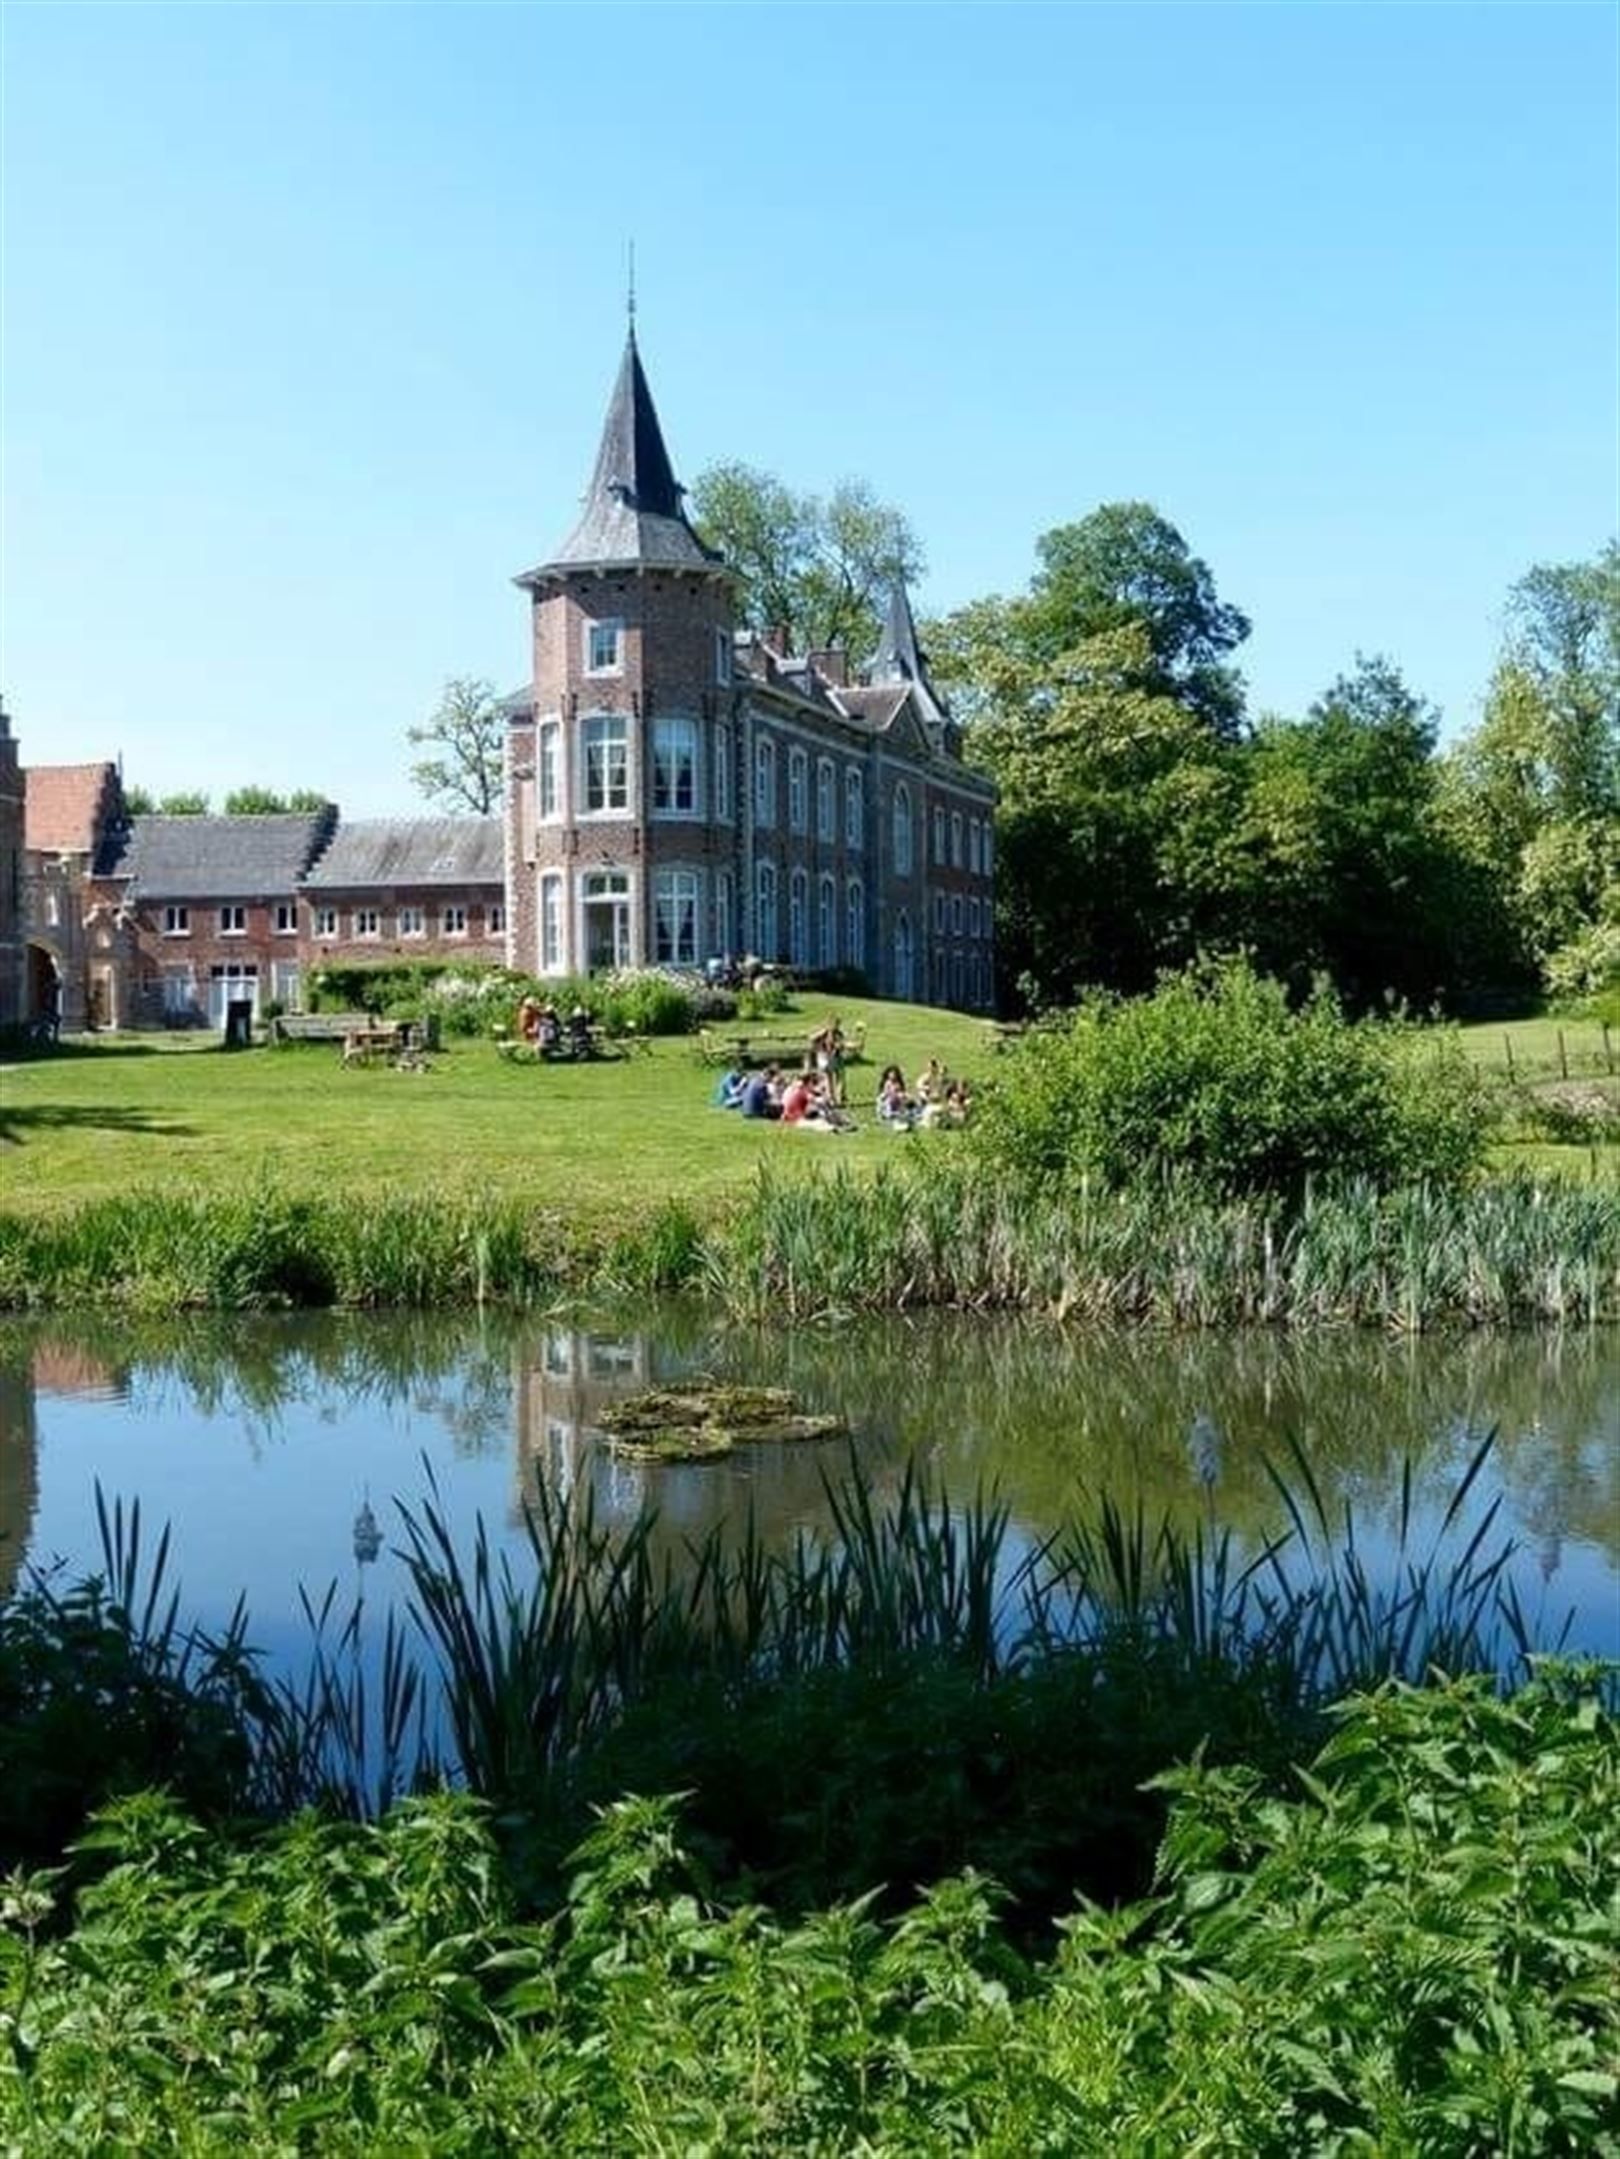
(388, 1039)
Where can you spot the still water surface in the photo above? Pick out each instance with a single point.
(260, 1441)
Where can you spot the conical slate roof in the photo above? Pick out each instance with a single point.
(899, 658)
(632, 516)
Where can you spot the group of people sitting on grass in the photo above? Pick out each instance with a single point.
(542, 1029)
(789, 1098)
(936, 1099)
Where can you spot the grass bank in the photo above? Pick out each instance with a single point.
(922, 1228)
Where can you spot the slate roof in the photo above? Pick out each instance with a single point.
(899, 658)
(64, 806)
(224, 858)
(633, 516)
(519, 704)
(412, 851)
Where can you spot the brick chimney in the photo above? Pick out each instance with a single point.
(831, 663)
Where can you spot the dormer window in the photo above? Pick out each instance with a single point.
(603, 644)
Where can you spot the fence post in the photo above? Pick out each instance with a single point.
(1507, 1044)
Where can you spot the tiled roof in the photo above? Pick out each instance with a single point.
(633, 516)
(899, 658)
(206, 858)
(413, 851)
(876, 703)
(64, 806)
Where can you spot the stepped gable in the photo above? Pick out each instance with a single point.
(633, 517)
(397, 851)
(68, 806)
(204, 858)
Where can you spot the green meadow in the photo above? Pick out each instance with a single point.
(599, 1142)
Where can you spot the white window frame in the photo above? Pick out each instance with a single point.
(368, 922)
(286, 922)
(452, 919)
(610, 730)
(233, 920)
(615, 889)
(604, 626)
(548, 772)
(722, 658)
(677, 898)
(902, 835)
(855, 809)
(765, 785)
(177, 921)
(413, 922)
(179, 990)
(855, 923)
(676, 756)
(551, 923)
(799, 919)
(722, 775)
(826, 799)
(827, 923)
(326, 922)
(724, 915)
(798, 790)
(766, 890)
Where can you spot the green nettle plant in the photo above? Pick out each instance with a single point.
(1217, 1081)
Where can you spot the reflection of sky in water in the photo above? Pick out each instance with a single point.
(260, 1442)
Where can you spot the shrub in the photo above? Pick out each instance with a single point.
(1217, 1080)
(763, 1000)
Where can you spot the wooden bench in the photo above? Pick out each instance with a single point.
(318, 1026)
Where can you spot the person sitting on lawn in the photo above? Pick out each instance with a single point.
(549, 1039)
(528, 1021)
(759, 1094)
(579, 1032)
(931, 1085)
(729, 1089)
(796, 1098)
(894, 1106)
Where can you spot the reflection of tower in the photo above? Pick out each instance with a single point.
(1545, 1501)
(561, 1393)
(19, 1470)
(1204, 1445)
(368, 1539)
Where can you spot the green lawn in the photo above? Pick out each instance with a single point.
(110, 1115)
(1542, 1049)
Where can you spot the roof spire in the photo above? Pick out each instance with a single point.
(899, 657)
(633, 516)
(630, 293)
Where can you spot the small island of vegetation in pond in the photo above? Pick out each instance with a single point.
(706, 1418)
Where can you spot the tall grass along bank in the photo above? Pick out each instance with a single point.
(934, 1230)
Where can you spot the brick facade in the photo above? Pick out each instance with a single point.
(12, 842)
(677, 793)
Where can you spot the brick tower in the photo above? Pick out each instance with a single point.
(621, 784)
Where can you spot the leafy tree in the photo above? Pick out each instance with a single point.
(467, 736)
(188, 804)
(816, 568)
(265, 802)
(139, 801)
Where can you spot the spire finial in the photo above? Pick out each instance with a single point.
(630, 292)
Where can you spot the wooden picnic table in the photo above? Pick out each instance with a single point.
(390, 1039)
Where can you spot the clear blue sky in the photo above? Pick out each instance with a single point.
(310, 314)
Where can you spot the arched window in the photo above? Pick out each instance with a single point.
(854, 924)
(902, 957)
(799, 919)
(765, 909)
(764, 781)
(827, 924)
(902, 830)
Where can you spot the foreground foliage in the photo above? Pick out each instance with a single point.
(1415, 1952)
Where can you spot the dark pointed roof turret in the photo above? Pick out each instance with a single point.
(633, 516)
(899, 657)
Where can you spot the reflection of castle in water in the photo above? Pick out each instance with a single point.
(42, 1366)
(571, 1374)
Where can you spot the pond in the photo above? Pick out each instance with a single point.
(262, 1443)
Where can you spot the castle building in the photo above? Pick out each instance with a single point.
(12, 844)
(677, 792)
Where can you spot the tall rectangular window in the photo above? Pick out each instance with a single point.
(551, 925)
(901, 821)
(826, 800)
(548, 768)
(326, 921)
(722, 658)
(603, 642)
(764, 784)
(722, 775)
(984, 849)
(233, 922)
(854, 808)
(495, 918)
(939, 836)
(675, 760)
(798, 791)
(973, 845)
(827, 923)
(956, 839)
(723, 942)
(799, 919)
(605, 745)
(765, 909)
(854, 924)
(675, 918)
